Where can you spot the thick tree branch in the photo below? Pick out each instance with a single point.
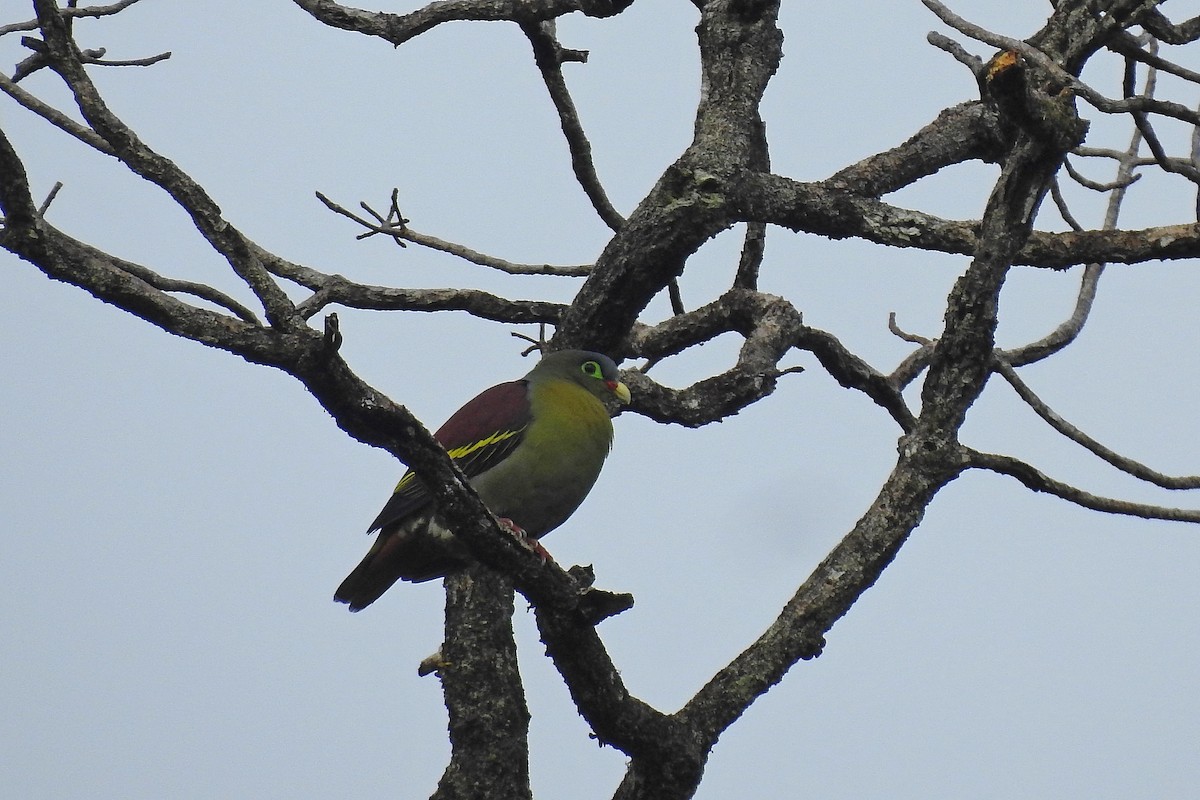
(20, 213)
(740, 49)
(616, 717)
(399, 28)
(929, 455)
(820, 209)
(1163, 29)
(489, 720)
(336, 290)
(842, 577)
(966, 132)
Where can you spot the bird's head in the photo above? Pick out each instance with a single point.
(595, 372)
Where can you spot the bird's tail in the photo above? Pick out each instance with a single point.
(412, 555)
(367, 582)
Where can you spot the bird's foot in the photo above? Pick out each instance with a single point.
(524, 539)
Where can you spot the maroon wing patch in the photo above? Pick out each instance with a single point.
(478, 436)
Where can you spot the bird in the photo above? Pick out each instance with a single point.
(532, 448)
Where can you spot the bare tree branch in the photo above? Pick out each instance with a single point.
(1066, 333)
(86, 11)
(1123, 463)
(771, 327)
(1117, 155)
(489, 729)
(337, 290)
(823, 210)
(395, 226)
(1089, 184)
(1044, 62)
(147, 61)
(1163, 29)
(1039, 482)
(54, 116)
(960, 133)
(849, 570)
(548, 55)
(754, 244)
(397, 28)
(150, 165)
(1128, 46)
(960, 54)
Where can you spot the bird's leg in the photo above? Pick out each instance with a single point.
(524, 539)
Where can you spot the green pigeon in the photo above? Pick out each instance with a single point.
(532, 448)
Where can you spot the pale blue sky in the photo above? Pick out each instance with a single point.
(177, 519)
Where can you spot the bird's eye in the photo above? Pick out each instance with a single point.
(591, 368)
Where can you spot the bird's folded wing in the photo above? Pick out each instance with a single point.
(478, 436)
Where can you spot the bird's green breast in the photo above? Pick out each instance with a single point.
(549, 475)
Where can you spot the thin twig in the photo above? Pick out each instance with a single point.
(1060, 202)
(54, 116)
(1067, 332)
(1142, 120)
(1038, 481)
(1118, 155)
(127, 62)
(969, 60)
(200, 290)
(1123, 463)
(1096, 186)
(400, 232)
(913, 364)
(912, 338)
(54, 190)
(548, 54)
(41, 59)
(484, 260)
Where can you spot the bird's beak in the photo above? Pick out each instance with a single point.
(620, 390)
